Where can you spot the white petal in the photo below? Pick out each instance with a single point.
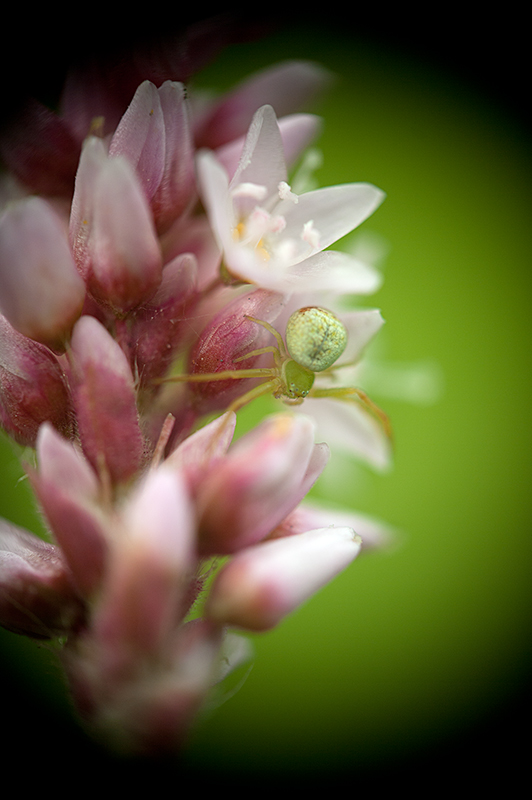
(335, 211)
(361, 328)
(345, 426)
(374, 532)
(297, 132)
(262, 160)
(214, 190)
(333, 271)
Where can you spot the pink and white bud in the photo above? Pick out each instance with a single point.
(91, 162)
(68, 492)
(154, 135)
(261, 585)
(104, 399)
(37, 597)
(177, 185)
(160, 325)
(33, 388)
(41, 292)
(203, 450)
(151, 710)
(152, 557)
(262, 479)
(112, 232)
(140, 137)
(228, 337)
(126, 264)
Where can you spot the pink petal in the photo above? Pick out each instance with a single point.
(289, 87)
(177, 185)
(68, 493)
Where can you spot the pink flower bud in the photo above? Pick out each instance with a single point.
(37, 597)
(158, 327)
(104, 400)
(112, 232)
(151, 559)
(92, 159)
(140, 137)
(262, 584)
(67, 489)
(154, 135)
(33, 388)
(126, 261)
(203, 450)
(262, 479)
(226, 338)
(177, 186)
(41, 292)
(151, 710)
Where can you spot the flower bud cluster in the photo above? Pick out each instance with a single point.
(160, 244)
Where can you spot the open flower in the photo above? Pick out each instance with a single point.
(270, 236)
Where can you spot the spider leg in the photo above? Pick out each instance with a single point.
(259, 352)
(351, 393)
(282, 349)
(258, 391)
(236, 374)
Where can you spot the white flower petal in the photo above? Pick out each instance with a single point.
(214, 188)
(333, 271)
(262, 160)
(335, 210)
(297, 132)
(346, 426)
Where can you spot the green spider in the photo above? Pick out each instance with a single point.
(315, 340)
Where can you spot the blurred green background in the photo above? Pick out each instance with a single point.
(415, 655)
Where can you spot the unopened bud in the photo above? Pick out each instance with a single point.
(33, 388)
(228, 337)
(37, 597)
(262, 479)
(41, 291)
(104, 400)
(262, 584)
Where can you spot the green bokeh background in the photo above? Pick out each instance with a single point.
(410, 651)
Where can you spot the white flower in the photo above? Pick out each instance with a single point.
(273, 238)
